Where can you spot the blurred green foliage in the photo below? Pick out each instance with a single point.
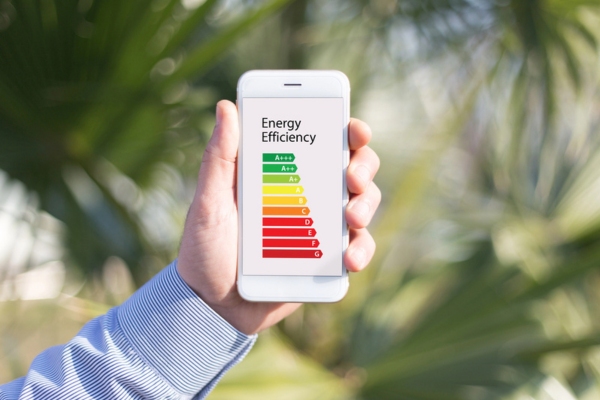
(486, 116)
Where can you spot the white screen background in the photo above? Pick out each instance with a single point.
(320, 167)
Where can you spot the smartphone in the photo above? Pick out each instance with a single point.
(291, 182)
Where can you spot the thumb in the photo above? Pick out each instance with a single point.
(218, 169)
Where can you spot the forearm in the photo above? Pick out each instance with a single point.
(162, 343)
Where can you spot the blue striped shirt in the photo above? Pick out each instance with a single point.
(162, 343)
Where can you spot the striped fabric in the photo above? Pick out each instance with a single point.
(162, 343)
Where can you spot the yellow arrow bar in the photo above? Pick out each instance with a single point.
(284, 200)
(283, 189)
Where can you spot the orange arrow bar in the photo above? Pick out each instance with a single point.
(286, 210)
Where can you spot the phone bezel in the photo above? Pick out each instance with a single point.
(305, 83)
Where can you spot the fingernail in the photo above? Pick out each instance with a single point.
(363, 174)
(359, 255)
(218, 115)
(362, 208)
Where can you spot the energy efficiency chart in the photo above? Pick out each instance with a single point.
(287, 230)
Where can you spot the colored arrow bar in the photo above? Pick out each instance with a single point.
(281, 178)
(278, 157)
(281, 168)
(290, 243)
(297, 232)
(283, 190)
(287, 221)
(284, 200)
(292, 253)
(286, 210)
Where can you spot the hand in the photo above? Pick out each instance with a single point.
(208, 254)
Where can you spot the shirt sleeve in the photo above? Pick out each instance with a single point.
(162, 343)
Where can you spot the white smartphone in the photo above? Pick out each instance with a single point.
(291, 181)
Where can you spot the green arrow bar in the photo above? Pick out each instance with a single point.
(281, 178)
(278, 157)
(280, 168)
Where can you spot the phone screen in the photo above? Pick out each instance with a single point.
(292, 186)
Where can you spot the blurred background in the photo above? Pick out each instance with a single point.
(485, 113)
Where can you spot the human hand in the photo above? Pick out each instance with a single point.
(208, 255)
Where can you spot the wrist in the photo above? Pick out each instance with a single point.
(225, 302)
(177, 334)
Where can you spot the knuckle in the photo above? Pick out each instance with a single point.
(376, 162)
(376, 193)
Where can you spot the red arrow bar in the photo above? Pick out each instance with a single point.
(290, 243)
(289, 232)
(292, 253)
(287, 221)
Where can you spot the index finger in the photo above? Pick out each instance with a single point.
(359, 134)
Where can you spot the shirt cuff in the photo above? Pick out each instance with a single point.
(177, 334)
